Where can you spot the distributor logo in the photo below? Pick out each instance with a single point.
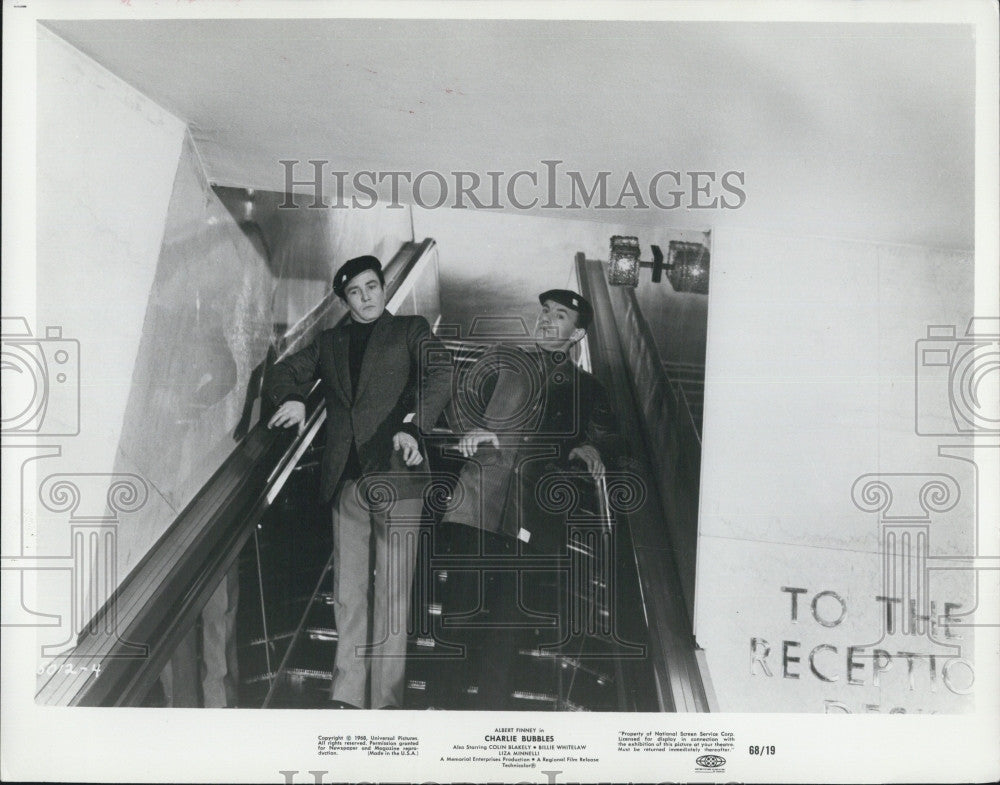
(710, 761)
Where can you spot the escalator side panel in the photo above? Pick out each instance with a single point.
(678, 677)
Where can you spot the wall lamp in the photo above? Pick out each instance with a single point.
(686, 264)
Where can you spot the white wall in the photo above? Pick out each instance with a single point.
(106, 163)
(207, 326)
(211, 315)
(496, 264)
(170, 306)
(811, 384)
(106, 160)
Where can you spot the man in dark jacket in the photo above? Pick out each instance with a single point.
(540, 410)
(368, 371)
(539, 413)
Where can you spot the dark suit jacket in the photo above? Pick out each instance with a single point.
(389, 387)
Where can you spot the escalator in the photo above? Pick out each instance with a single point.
(578, 641)
(602, 623)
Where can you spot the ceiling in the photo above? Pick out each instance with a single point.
(859, 131)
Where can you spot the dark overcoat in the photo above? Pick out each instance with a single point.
(538, 419)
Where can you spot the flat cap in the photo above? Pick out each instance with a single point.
(353, 267)
(573, 301)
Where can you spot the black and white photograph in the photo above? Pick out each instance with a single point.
(493, 392)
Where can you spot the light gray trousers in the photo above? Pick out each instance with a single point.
(371, 611)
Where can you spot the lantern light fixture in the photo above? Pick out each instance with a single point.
(686, 265)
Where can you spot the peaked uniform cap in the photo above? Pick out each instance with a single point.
(573, 301)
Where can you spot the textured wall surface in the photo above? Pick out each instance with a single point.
(207, 326)
(166, 303)
(219, 297)
(107, 157)
(106, 161)
(811, 385)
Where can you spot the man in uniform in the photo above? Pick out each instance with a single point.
(368, 371)
(540, 412)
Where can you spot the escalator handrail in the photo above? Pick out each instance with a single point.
(131, 638)
(668, 381)
(681, 682)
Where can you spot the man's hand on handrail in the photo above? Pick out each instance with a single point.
(586, 454)
(591, 458)
(289, 413)
(411, 450)
(470, 442)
